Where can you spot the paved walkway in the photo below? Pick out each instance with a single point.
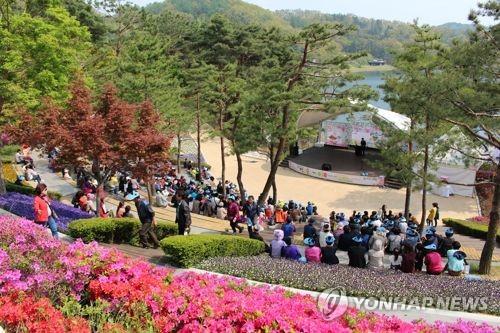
(54, 181)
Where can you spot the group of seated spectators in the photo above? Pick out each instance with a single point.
(367, 239)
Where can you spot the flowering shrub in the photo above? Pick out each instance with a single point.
(114, 293)
(480, 219)
(9, 173)
(25, 313)
(22, 205)
(357, 282)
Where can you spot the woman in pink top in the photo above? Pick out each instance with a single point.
(433, 263)
(313, 253)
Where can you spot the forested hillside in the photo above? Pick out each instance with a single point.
(376, 37)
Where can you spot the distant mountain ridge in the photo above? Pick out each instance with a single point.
(376, 36)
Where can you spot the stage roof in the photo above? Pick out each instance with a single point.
(398, 120)
(309, 118)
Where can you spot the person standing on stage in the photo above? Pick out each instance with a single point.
(363, 146)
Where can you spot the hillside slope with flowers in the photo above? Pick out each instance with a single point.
(49, 286)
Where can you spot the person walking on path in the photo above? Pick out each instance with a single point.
(250, 210)
(147, 217)
(44, 214)
(183, 214)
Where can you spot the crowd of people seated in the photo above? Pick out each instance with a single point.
(368, 237)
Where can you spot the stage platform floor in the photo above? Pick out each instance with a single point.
(342, 160)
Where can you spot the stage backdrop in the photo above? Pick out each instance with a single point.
(349, 129)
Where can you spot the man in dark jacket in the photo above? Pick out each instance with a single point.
(250, 210)
(183, 214)
(147, 217)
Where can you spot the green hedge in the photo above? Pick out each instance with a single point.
(187, 251)
(116, 230)
(469, 228)
(10, 187)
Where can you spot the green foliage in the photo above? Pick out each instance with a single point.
(236, 10)
(187, 251)
(116, 230)
(469, 228)
(7, 153)
(29, 190)
(39, 56)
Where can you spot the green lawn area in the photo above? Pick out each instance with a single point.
(7, 153)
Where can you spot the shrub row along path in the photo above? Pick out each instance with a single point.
(203, 224)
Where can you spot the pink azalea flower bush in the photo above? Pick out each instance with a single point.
(84, 286)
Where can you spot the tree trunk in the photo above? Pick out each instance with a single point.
(178, 161)
(407, 199)
(150, 192)
(239, 176)
(409, 182)
(2, 181)
(198, 130)
(96, 168)
(489, 245)
(222, 153)
(275, 191)
(272, 173)
(424, 187)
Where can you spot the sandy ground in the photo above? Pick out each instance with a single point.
(328, 195)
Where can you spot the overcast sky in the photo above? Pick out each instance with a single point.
(427, 11)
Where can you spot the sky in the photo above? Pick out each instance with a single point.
(432, 12)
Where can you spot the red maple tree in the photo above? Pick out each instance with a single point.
(110, 136)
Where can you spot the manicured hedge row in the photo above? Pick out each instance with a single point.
(469, 228)
(29, 190)
(188, 251)
(116, 230)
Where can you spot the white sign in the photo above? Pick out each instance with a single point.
(337, 177)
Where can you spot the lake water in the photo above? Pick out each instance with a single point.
(374, 80)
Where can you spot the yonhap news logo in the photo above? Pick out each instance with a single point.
(332, 303)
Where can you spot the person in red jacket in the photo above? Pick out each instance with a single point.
(44, 214)
(433, 263)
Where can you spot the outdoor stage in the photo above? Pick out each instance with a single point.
(346, 166)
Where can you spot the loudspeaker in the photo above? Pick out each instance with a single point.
(326, 167)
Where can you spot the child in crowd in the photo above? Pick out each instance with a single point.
(433, 263)
(277, 244)
(328, 255)
(356, 253)
(396, 260)
(128, 212)
(291, 251)
(313, 253)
